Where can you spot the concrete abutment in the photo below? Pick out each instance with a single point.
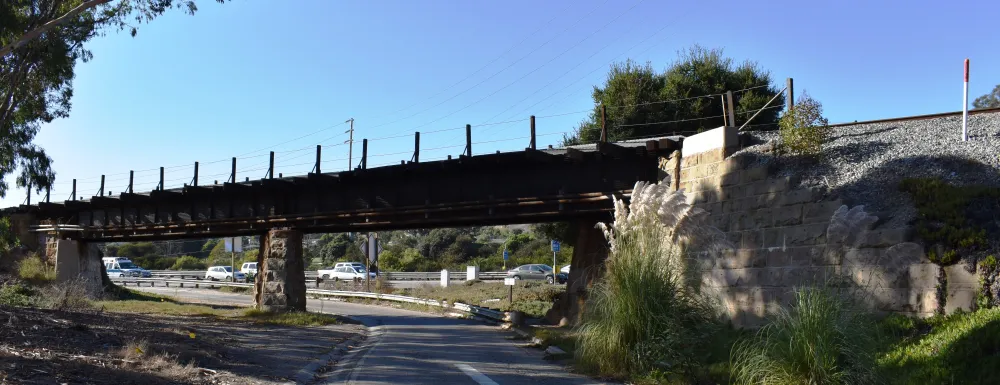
(78, 263)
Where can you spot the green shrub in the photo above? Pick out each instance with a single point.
(188, 262)
(822, 339)
(943, 217)
(33, 269)
(803, 128)
(17, 295)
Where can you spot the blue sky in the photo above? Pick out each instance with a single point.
(247, 77)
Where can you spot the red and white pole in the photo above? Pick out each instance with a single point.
(965, 105)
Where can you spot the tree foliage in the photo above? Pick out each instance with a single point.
(990, 100)
(41, 42)
(638, 99)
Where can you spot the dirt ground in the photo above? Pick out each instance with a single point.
(97, 347)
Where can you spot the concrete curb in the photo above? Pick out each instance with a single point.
(309, 373)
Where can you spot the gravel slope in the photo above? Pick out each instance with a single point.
(864, 163)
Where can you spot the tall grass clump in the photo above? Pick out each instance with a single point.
(33, 269)
(826, 335)
(643, 316)
(821, 339)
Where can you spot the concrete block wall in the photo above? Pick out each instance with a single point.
(778, 231)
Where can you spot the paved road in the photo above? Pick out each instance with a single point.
(419, 348)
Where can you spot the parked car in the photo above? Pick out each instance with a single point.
(223, 273)
(565, 270)
(249, 268)
(536, 272)
(345, 271)
(123, 267)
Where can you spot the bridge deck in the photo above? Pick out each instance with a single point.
(503, 188)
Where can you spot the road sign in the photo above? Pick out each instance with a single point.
(555, 245)
(506, 255)
(234, 245)
(372, 246)
(509, 281)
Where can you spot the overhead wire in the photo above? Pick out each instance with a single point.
(494, 74)
(509, 50)
(536, 69)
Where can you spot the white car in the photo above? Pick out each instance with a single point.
(565, 269)
(345, 271)
(249, 268)
(223, 273)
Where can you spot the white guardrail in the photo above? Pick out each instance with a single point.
(392, 275)
(494, 315)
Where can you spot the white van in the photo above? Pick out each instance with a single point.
(123, 267)
(249, 268)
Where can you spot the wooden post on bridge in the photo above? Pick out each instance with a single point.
(270, 167)
(131, 180)
(161, 179)
(532, 119)
(101, 192)
(468, 140)
(604, 125)
(233, 174)
(364, 154)
(730, 110)
(73, 194)
(194, 182)
(416, 147)
(48, 191)
(790, 99)
(319, 157)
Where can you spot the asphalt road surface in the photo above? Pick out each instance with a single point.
(420, 348)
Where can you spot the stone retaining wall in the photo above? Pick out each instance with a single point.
(779, 231)
(280, 283)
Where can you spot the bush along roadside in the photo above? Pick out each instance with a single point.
(956, 224)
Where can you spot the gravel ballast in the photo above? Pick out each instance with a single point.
(862, 164)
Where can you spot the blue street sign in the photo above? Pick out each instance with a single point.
(506, 255)
(555, 245)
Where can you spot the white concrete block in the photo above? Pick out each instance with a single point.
(471, 273)
(444, 278)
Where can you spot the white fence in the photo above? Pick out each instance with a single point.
(392, 275)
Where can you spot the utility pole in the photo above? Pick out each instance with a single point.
(350, 144)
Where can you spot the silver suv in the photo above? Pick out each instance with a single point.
(536, 272)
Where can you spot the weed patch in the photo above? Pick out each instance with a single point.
(166, 307)
(532, 298)
(290, 319)
(18, 295)
(235, 289)
(34, 270)
(822, 339)
(962, 348)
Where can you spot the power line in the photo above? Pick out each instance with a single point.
(537, 68)
(494, 74)
(509, 50)
(612, 61)
(670, 121)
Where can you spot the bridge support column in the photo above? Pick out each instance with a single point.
(280, 284)
(78, 263)
(589, 253)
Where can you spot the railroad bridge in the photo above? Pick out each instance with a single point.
(531, 186)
